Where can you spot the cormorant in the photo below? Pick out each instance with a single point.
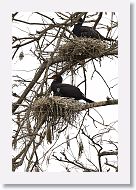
(66, 90)
(86, 31)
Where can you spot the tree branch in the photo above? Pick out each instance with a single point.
(105, 153)
(98, 104)
(97, 20)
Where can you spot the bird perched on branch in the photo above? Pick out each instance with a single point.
(86, 31)
(66, 90)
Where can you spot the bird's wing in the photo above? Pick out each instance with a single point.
(68, 90)
(90, 32)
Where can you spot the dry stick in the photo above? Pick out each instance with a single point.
(51, 19)
(105, 153)
(14, 14)
(30, 23)
(97, 20)
(75, 163)
(98, 151)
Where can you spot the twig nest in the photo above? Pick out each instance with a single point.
(82, 48)
(56, 108)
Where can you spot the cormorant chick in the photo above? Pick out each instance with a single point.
(86, 31)
(66, 90)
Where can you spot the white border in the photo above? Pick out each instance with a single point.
(121, 177)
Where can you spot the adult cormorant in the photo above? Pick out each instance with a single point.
(86, 31)
(66, 90)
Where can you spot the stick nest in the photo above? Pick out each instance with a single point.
(82, 48)
(56, 108)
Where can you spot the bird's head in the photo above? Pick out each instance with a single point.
(57, 78)
(80, 21)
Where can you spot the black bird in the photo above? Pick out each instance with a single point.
(86, 31)
(66, 90)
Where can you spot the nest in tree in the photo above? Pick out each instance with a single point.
(82, 48)
(52, 109)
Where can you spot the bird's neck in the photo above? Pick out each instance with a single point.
(77, 30)
(55, 82)
(79, 24)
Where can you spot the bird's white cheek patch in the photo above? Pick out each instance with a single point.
(58, 89)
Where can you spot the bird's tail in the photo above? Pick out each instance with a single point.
(87, 100)
(109, 39)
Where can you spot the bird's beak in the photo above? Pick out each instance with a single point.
(51, 77)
